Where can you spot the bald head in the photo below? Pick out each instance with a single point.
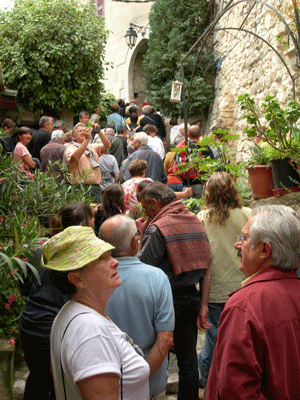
(120, 231)
(195, 133)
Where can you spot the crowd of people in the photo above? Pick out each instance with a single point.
(139, 273)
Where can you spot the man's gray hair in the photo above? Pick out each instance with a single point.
(130, 148)
(94, 118)
(159, 191)
(59, 124)
(280, 226)
(77, 126)
(44, 120)
(58, 134)
(182, 129)
(110, 131)
(142, 137)
(147, 109)
(120, 237)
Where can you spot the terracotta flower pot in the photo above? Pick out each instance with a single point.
(281, 191)
(261, 181)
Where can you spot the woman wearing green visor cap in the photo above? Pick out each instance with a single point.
(91, 357)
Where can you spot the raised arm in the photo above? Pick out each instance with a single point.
(104, 146)
(81, 149)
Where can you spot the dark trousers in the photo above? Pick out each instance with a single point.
(186, 305)
(39, 384)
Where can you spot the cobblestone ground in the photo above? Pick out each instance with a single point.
(21, 374)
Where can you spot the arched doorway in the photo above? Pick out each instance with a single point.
(136, 86)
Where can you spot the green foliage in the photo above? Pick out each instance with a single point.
(175, 26)
(106, 101)
(52, 51)
(259, 156)
(26, 203)
(11, 304)
(205, 166)
(281, 131)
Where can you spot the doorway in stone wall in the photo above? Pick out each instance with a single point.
(136, 86)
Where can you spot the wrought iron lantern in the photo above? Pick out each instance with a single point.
(176, 92)
(131, 35)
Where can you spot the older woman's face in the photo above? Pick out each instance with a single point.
(101, 274)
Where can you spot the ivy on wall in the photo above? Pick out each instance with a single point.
(175, 27)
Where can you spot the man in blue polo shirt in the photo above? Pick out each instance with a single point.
(143, 305)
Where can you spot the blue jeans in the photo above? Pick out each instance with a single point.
(176, 187)
(186, 306)
(206, 355)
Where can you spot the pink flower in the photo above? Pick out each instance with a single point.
(24, 224)
(11, 299)
(41, 241)
(15, 332)
(11, 341)
(25, 259)
(1, 219)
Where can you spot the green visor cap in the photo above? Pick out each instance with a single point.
(73, 248)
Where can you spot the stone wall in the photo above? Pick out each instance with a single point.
(249, 65)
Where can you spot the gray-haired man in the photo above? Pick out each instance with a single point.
(142, 306)
(258, 346)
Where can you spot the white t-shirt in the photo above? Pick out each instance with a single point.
(157, 145)
(93, 345)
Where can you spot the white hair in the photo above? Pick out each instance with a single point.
(181, 128)
(94, 118)
(280, 226)
(57, 134)
(142, 137)
(120, 237)
(77, 126)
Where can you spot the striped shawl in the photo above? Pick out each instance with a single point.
(186, 241)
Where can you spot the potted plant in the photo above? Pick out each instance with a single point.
(206, 166)
(281, 134)
(260, 172)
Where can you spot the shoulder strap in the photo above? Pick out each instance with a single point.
(61, 367)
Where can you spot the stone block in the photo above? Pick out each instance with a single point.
(18, 390)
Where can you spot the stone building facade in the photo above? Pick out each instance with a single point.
(249, 64)
(124, 78)
(247, 61)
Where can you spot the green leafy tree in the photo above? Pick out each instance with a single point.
(52, 52)
(175, 27)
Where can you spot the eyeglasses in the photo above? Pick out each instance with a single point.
(241, 238)
(138, 232)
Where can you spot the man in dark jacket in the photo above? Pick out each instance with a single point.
(153, 119)
(40, 138)
(175, 241)
(155, 167)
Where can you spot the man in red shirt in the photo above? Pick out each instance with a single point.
(258, 345)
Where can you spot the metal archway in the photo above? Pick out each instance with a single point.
(202, 40)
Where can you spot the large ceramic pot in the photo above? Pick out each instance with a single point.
(261, 181)
(284, 174)
(7, 353)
